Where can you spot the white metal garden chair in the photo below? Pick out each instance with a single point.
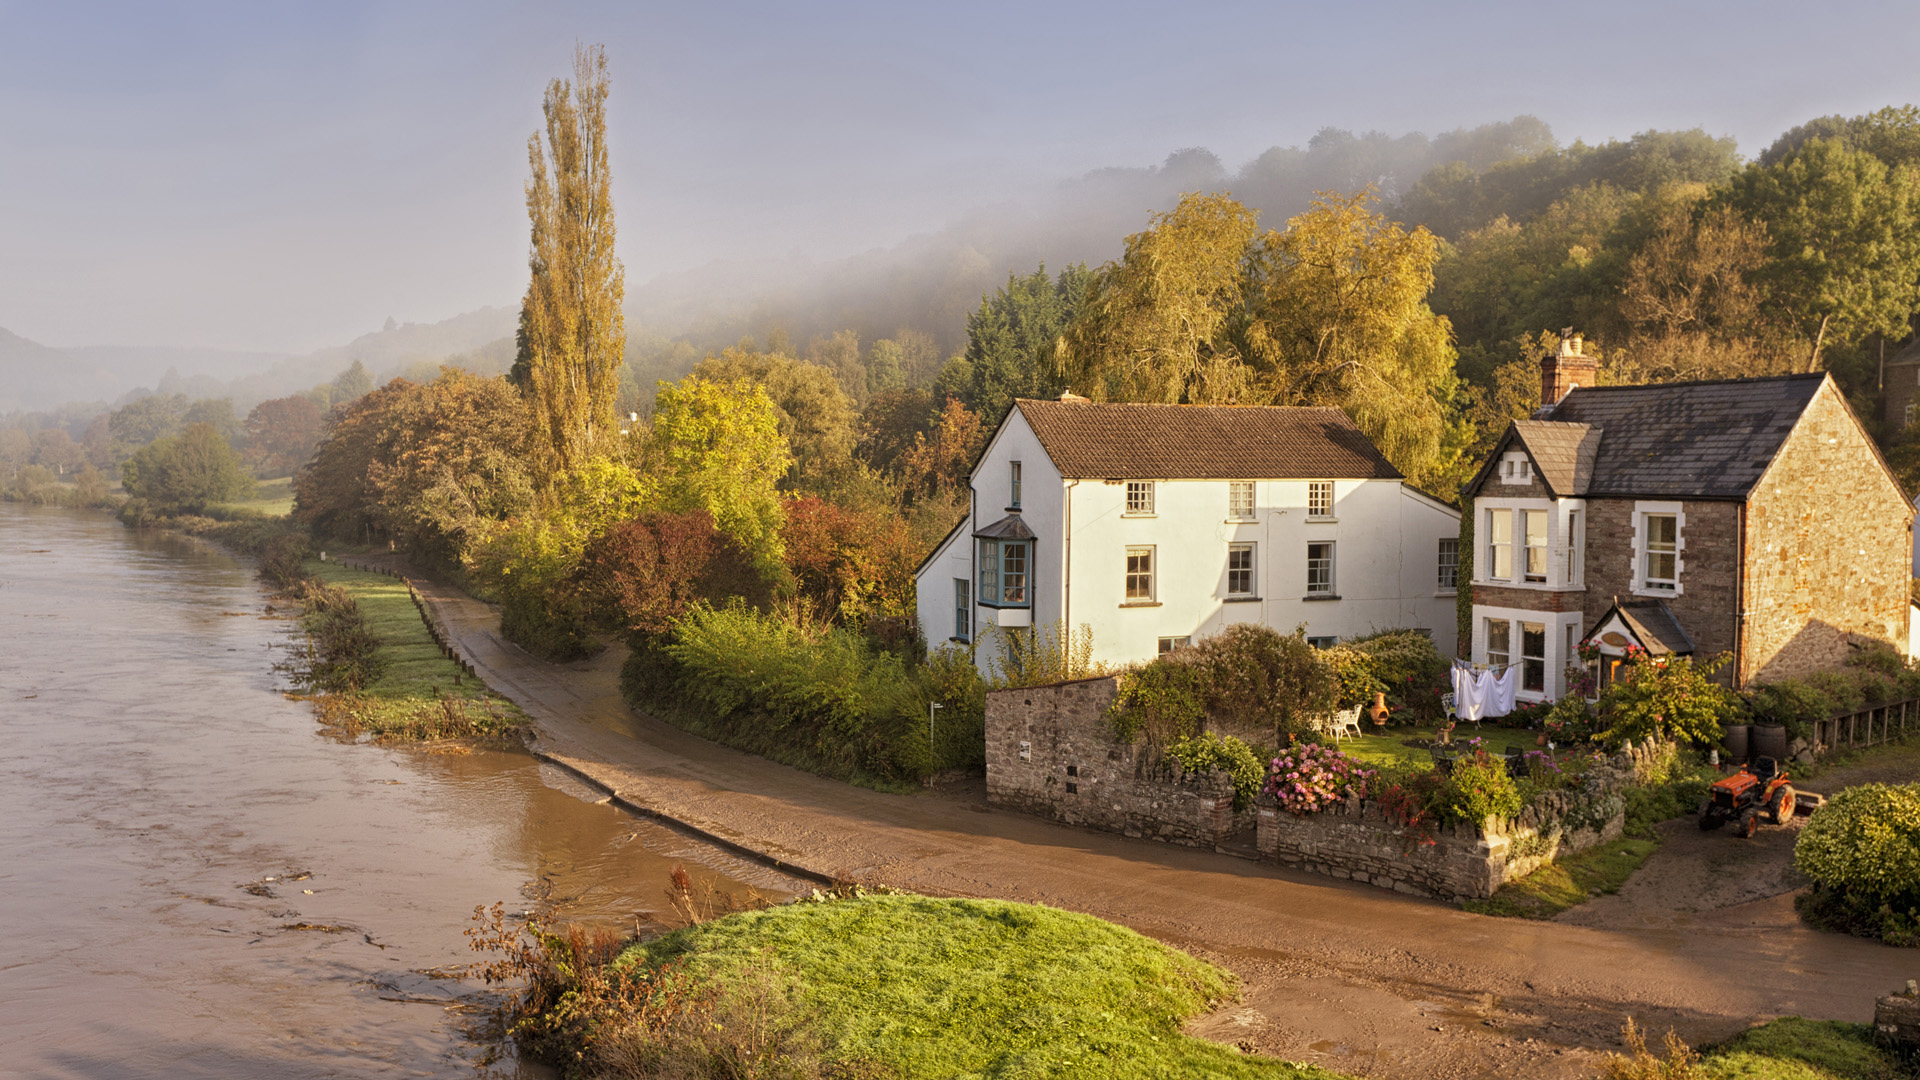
(1345, 724)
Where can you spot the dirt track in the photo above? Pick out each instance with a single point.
(1355, 978)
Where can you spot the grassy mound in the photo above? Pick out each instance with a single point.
(924, 987)
(1568, 882)
(1796, 1049)
(419, 694)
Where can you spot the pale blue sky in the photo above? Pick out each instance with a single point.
(285, 176)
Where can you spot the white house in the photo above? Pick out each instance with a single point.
(1156, 525)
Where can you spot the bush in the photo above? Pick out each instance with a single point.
(1201, 754)
(1403, 664)
(1310, 777)
(1569, 723)
(1258, 678)
(1669, 696)
(1166, 699)
(1865, 842)
(190, 470)
(1477, 790)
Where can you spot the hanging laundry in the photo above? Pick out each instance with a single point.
(1501, 699)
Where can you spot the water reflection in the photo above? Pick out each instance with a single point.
(157, 777)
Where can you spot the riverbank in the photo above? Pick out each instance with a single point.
(1342, 975)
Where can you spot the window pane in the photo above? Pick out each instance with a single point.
(1139, 496)
(1500, 544)
(1320, 568)
(1240, 499)
(1573, 547)
(1533, 656)
(1168, 644)
(1140, 573)
(1662, 556)
(1449, 562)
(1013, 573)
(1499, 642)
(1240, 569)
(989, 571)
(962, 610)
(1015, 485)
(1319, 498)
(1535, 523)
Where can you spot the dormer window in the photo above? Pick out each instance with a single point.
(1515, 468)
(1013, 485)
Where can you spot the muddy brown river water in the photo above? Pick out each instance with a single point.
(167, 815)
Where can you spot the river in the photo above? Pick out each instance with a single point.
(168, 817)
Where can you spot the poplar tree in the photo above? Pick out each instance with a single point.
(572, 334)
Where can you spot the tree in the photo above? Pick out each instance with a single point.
(350, 384)
(1843, 242)
(889, 424)
(1340, 318)
(141, 422)
(572, 334)
(282, 434)
(644, 574)
(55, 449)
(840, 354)
(189, 470)
(854, 567)
(717, 447)
(1153, 325)
(816, 418)
(943, 462)
(1013, 337)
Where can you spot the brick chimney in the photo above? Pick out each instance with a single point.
(1562, 371)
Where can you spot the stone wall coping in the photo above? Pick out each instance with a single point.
(1052, 685)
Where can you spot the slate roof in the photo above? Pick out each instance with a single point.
(1203, 442)
(1653, 622)
(1007, 528)
(1564, 453)
(1700, 440)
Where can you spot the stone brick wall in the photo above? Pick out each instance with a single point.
(1354, 841)
(1709, 568)
(1829, 549)
(1050, 751)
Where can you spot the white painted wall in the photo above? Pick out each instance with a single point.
(1386, 539)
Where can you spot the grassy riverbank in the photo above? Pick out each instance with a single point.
(418, 692)
(895, 986)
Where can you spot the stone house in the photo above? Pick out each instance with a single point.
(1746, 516)
(1156, 525)
(1900, 387)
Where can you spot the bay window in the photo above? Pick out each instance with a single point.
(1003, 573)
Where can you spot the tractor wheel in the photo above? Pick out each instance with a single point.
(1782, 804)
(1710, 818)
(1749, 824)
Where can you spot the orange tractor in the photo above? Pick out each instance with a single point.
(1758, 788)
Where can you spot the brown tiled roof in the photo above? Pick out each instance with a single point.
(1702, 440)
(1203, 442)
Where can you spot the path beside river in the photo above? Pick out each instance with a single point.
(1359, 979)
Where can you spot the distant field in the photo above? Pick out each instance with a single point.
(274, 498)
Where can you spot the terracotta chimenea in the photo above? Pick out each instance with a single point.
(1379, 710)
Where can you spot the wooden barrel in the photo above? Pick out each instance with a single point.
(1735, 742)
(1770, 740)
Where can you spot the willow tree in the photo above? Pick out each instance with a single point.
(572, 335)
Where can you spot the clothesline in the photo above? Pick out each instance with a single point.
(1484, 692)
(1469, 665)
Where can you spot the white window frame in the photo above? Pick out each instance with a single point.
(1240, 500)
(1536, 565)
(1325, 641)
(1447, 564)
(1495, 547)
(1168, 644)
(1528, 660)
(1563, 629)
(1139, 498)
(1516, 467)
(1251, 585)
(1505, 655)
(1320, 500)
(1329, 586)
(1575, 542)
(1013, 485)
(1146, 574)
(1642, 585)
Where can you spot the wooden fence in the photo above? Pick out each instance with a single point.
(1868, 727)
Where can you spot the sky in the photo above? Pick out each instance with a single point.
(285, 176)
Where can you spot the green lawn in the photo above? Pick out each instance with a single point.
(1568, 882)
(1794, 1049)
(420, 693)
(1389, 750)
(931, 987)
(271, 498)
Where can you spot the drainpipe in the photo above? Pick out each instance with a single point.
(1740, 601)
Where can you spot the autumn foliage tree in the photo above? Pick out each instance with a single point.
(572, 335)
(282, 434)
(644, 574)
(853, 567)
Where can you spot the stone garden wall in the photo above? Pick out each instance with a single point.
(1354, 841)
(1050, 751)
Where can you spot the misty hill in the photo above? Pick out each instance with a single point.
(35, 377)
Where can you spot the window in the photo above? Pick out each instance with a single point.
(1572, 654)
(1660, 566)
(1535, 523)
(1320, 569)
(1168, 644)
(1500, 545)
(1139, 573)
(1533, 656)
(1323, 642)
(1499, 643)
(1013, 485)
(1013, 573)
(1240, 500)
(1003, 573)
(1516, 468)
(962, 610)
(1449, 562)
(1319, 498)
(1573, 548)
(1139, 496)
(1239, 569)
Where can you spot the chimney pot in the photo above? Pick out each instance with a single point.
(1566, 369)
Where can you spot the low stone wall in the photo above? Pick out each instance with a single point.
(1354, 841)
(1050, 751)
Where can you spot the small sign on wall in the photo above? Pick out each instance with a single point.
(1026, 751)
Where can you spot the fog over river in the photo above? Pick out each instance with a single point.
(155, 778)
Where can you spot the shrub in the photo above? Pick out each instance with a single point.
(1043, 655)
(1569, 723)
(1669, 696)
(1477, 790)
(1256, 677)
(1403, 664)
(1166, 699)
(1205, 752)
(1865, 842)
(1310, 777)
